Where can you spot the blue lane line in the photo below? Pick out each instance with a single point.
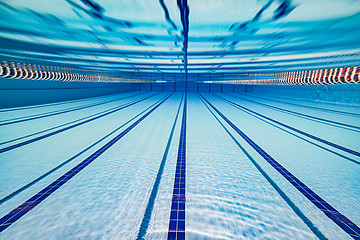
(339, 219)
(282, 194)
(177, 215)
(23, 188)
(5, 149)
(150, 206)
(295, 129)
(24, 208)
(54, 113)
(316, 108)
(323, 120)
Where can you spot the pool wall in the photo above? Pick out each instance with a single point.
(22, 92)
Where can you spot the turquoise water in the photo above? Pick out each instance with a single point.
(227, 194)
(192, 147)
(162, 40)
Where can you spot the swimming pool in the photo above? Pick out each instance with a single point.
(179, 119)
(113, 164)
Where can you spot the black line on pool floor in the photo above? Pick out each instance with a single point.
(291, 204)
(339, 219)
(17, 145)
(57, 112)
(305, 116)
(24, 208)
(23, 188)
(149, 208)
(177, 214)
(345, 149)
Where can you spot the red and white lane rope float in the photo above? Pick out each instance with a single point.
(16, 72)
(345, 75)
(22, 73)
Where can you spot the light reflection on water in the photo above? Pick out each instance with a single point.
(196, 36)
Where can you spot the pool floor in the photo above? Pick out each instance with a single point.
(158, 165)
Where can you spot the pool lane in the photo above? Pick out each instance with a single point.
(327, 174)
(22, 165)
(340, 109)
(107, 198)
(334, 116)
(144, 226)
(21, 131)
(305, 116)
(178, 202)
(226, 196)
(57, 112)
(57, 105)
(67, 162)
(43, 131)
(341, 135)
(342, 221)
(28, 109)
(31, 203)
(316, 134)
(43, 136)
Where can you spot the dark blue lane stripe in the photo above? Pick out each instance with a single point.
(5, 149)
(322, 120)
(150, 206)
(316, 108)
(13, 194)
(282, 194)
(177, 214)
(339, 219)
(54, 113)
(24, 208)
(295, 129)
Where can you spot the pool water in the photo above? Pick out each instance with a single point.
(119, 156)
